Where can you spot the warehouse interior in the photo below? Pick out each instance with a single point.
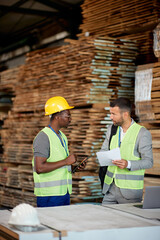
(89, 52)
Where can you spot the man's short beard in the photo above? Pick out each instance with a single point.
(118, 123)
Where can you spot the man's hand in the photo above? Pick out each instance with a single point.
(42, 166)
(120, 163)
(82, 166)
(71, 159)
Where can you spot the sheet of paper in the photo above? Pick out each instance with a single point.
(105, 157)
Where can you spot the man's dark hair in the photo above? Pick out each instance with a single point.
(123, 104)
(56, 114)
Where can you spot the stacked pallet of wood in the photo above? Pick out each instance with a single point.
(147, 90)
(8, 79)
(26, 178)
(143, 86)
(105, 70)
(147, 99)
(86, 188)
(111, 17)
(145, 46)
(89, 74)
(134, 20)
(3, 175)
(8, 82)
(154, 129)
(151, 181)
(20, 177)
(112, 69)
(155, 92)
(11, 197)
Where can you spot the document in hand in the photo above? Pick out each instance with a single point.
(105, 157)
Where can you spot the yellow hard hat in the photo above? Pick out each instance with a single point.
(56, 104)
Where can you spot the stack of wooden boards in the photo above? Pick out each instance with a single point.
(128, 19)
(89, 74)
(8, 81)
(147, 101)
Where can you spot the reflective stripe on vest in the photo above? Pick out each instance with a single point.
(58, 181)
(123, 177)
(52, 183)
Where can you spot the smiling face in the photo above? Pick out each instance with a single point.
(117, 116)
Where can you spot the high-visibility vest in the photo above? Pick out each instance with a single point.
(58, 181)
(123, 177)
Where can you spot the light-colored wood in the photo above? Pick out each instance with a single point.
(89, 74)
(126, 19)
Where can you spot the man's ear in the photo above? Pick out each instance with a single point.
(126, 115)
(56, 117)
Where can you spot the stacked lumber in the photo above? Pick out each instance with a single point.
(147, 100)
(3, 175)
(11, 197)
(145, 46)
(12, 177)
(8, 79)
(8, 82)
(147, 97)
(26, 177)
(134, 20)
(154, 129)
(114, 17)
(113, 64)
(20, 177)
(155, 92)
(92, 71)
(143, 86)
(89, 74)
(151, 181)
(156, 151)
(86, 189)
(112, 69)
(5, 106)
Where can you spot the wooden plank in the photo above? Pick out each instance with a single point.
(7, 233)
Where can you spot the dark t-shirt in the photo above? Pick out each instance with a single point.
(41, 145)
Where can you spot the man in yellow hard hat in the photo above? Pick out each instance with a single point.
(51, 161)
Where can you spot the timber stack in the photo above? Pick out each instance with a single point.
(8, 82)
(134, 20)
(138, 21)
(147, 100)
(89, 74)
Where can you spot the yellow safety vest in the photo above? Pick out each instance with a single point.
(123, 177)
(59, 181)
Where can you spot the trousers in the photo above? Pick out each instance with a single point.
(53, 201)
(114, 196)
